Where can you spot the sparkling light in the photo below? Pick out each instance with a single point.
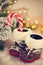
(15, 1)
(36, 22)
(4, 11)
(41, 28)
(28, 19)
(27, 25)
(20, 11)
(8, 12)
(10, 6)
(24, 11)
(10, 2)
(33, 26)
(24, 21)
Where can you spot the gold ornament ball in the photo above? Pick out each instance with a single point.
(10, 2)
(41, 28)
(8, 12)
(4, 11)
(33, 26)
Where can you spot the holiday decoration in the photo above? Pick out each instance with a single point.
(4, 31)
(24, 13)
(26, 19)
(36, 22)
(28, 22)
(5, 5)
(41, 28)
(33, 27)
(20, 32)
(17, 33)
(27, 25)
(13, 14)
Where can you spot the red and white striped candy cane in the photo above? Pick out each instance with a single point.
(20, 20)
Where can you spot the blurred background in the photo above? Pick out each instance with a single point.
(31, 11)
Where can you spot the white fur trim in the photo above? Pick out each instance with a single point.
(18, 36)
(33, 43)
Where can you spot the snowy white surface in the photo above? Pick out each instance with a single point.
(6, 59)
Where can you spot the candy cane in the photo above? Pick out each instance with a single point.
(20, 20)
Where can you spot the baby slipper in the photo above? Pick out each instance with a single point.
(16, 48)
(30, 56)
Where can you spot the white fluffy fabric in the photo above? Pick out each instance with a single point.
(6, 59)
(33, 43)
(18, 36)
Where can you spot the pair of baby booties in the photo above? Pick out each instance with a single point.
(23, 48)
(27, 51)
(33, 40)
(20, 49)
